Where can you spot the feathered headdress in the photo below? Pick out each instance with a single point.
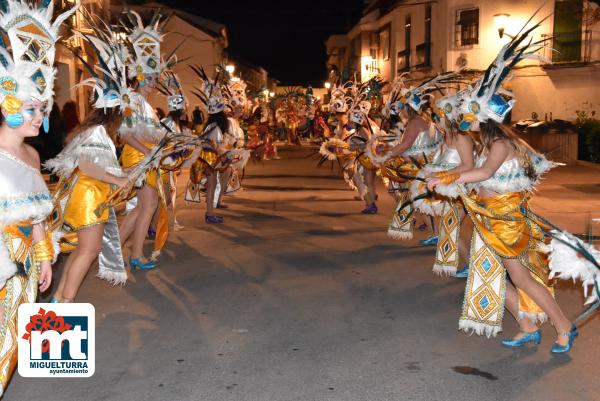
(27, 52)
(337, 102)
(211, 92)
(170, 86)
(109, 77)
(359, 99)
(416, 97)
(486, 99)
(145, 42)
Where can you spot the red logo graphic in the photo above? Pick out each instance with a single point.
(45, 321)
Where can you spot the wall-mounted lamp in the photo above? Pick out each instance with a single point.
(327, 85)
(500, 21)
(230, 68)
(272, 94)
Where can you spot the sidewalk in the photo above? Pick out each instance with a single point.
(569, 196)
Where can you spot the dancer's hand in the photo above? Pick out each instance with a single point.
(121, 181)
(432, 183)
(45, 275)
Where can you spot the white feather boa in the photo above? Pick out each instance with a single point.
(93, 145)
(332, 142)
(566, 263)
(8, 268)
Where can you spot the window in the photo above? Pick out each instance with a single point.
(384, 42)
(468, 27)
(424, 49)
(402, 62)
(407, 31)
(567, 42)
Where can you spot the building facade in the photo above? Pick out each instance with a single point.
(430, 37)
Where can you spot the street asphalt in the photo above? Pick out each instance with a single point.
(300, 297)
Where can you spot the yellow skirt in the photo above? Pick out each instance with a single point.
(397, 169)
(85, 195)
(505, 229)
(207, 160)
(502, 224)
(131, 157)
(366, 162)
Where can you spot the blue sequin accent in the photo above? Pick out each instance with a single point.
(484, 302)
(37, 198)
(498, 105)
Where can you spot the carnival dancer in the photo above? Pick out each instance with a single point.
(340, 98)
(176, 106)
(455, 155)
(217, 152)
(507, 237)
(420, 141)
(89, 171)
(362, 129)
(237, 108)
(142, 132)
(27, 247)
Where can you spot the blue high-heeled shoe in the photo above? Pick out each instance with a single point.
(462, 273)
(136, 263)
(563, 349)
(533, 337)
(433, 240)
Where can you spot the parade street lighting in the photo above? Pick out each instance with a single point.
(500, 21)
(230, 68)
(327, 85)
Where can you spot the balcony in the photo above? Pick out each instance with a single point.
(568, 50)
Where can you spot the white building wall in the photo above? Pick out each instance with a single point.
(561, 91)
(194, 47)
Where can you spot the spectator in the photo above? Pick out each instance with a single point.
(197, 118)
(69, 115)
(54, 142)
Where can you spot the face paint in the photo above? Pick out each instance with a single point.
(29, 112)
(15, 120)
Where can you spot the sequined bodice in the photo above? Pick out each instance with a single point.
(426, 143)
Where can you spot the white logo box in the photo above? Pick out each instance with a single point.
(76, 358)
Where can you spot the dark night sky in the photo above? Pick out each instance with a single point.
(286, 37)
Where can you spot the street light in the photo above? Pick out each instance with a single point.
(230, 68)
(272, 94)
(327, 85)
(500, 21)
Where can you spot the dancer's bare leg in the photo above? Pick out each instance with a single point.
(128, 225)
(147, 204)
(79, 262)
(369, 177)
(211, 187)
(512, 305)
(522, 279)
(224, 178)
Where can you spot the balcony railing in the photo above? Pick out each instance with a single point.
(568, 48)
